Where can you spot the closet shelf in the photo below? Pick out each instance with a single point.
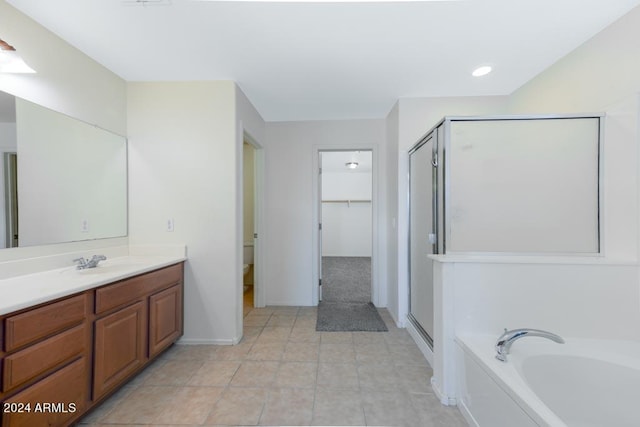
(348, 202)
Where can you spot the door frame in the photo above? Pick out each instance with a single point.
(259, 294)
(376, 282)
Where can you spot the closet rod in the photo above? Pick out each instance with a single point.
(346, 201)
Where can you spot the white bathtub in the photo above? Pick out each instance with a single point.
(586, 383)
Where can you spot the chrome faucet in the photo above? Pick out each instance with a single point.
(504, 343)
(89, 263)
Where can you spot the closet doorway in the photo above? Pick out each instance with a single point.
(345, 226)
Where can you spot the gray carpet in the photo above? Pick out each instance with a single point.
(346, 279)
(346, 317)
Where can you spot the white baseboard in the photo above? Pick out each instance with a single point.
(195, 341)
(443, 398)
(467, 415)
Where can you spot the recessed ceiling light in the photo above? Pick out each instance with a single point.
(351, 165)
(481, 71)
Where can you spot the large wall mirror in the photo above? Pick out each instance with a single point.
(63, 180)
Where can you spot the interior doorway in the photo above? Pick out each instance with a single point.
(345, 240)
(250, 233)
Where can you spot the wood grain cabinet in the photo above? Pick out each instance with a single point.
(165, 319)
(60, 359)
(119, 347)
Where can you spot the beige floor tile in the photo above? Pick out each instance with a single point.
(250, 333)
(307, 311)
(336, 338)
(285, 310)
(338, 408)
(192, 352)
(287, 407)
(215, 373)
(306, 322)
(338, 375)
(301, 352)
(433, 414)
(174, 372)
(189, 405)
(407, 355)
(399, 337)
(281, 320)
(296, 374)
(372, 353)
(238, 406)
(378, 376)
(389, 409)
(337, 353)
(141, 406)
(255, 374)
(255, 320)
(350, 378)
(266, 351)
(232, 352)
(304, 335)
(414, 378)
(263, 311)
(369, 338)
(274, 334)
(100, 412)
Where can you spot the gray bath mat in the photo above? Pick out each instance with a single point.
(346, 317)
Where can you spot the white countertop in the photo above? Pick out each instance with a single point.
(28, 290)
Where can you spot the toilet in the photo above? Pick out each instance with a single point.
(247, 257)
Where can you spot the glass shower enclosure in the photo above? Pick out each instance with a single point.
(495, 186)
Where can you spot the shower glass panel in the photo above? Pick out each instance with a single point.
(523, 185)
(422, 237)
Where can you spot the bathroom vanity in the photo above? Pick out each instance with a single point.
(61, 357)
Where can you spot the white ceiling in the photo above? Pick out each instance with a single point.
(306, 61)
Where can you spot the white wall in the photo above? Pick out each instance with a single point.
(291, 156)
(346, 227)
(67, 81)
(183, 162)
(393, 199)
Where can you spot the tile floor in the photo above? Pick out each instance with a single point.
(285, 373)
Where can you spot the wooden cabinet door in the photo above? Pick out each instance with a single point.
(54, 401)
(120, 344)
(165, 319)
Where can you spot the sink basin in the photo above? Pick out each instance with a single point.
(107, 267)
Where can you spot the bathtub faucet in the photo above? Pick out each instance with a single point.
(506, 340)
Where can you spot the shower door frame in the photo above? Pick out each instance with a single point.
(434, 136)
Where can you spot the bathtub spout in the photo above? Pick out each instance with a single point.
(504, 343)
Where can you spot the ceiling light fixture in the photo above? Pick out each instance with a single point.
(351, 165)
(481, 71)
(10, 61)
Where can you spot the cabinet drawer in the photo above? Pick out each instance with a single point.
(37, 359)
(33, 325)
(54, 401)
(126, 291)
